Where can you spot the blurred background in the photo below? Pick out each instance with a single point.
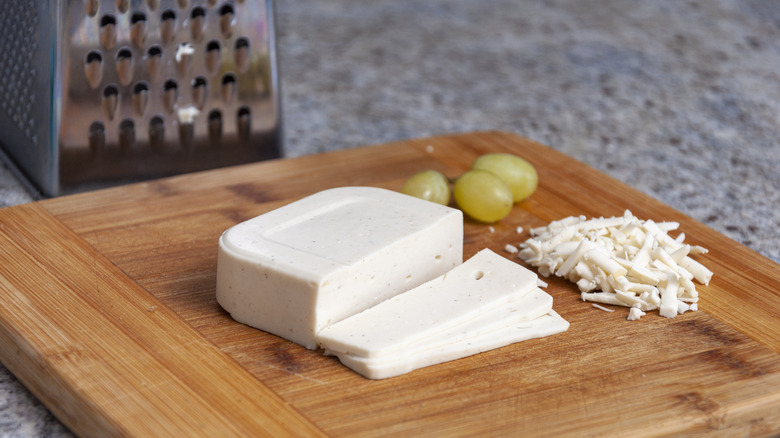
(678, 99)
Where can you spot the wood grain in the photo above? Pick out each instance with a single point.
(108, 315)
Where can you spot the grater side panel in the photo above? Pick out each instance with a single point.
(118, 124)
(26, 90)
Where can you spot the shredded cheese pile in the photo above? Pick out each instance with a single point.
(620, 261)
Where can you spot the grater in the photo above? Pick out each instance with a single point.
(103, 92)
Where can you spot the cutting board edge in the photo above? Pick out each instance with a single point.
(51, 372)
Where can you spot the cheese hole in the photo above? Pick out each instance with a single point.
(478, 275)
(408, 277)
(438, 257)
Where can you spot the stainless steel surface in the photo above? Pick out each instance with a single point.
(97, 92)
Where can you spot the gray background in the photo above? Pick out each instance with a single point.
(679, 99)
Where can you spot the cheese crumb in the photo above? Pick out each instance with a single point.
(635, 313)
(603, 308)
(621, 261)
(492, 230)
(510, 249)
(519, 230)
(187, 114)
(182, 50)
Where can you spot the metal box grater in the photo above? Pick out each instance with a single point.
(103, 92)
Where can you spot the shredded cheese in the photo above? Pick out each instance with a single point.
(603, 308)
(622, 261)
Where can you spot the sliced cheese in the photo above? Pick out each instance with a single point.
(300, 268)
(545, 325)
(484, 282)
(485, 303)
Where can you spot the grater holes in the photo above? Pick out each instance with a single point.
(197, 22)
(213, 56)
(109, 100)
(227, 15)
(167, 25)
(136, 17)
(91, 7)
(229, 86)
(183, 58)
(154, 51)
(126, 135)
(186, 135)
(93, 68)
(94, 55)
(17, 67)
(124, 65)
(156, 132)
(96, 137)
(170, 94)
(122, 5)
(154, 61)
(108, 31)
(241, 54)
(138, 28)
(199, 91)
(243, 122)
(140, 97)
(215, 125)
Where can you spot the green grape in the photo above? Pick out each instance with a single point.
(518, 174)
(483, 196)
(429, 185)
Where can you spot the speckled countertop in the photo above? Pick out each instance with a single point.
(679, 99)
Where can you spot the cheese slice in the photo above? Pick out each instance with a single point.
(512, 332)
(485, 303)
(300, 268)
(483, 283)
(517, 311)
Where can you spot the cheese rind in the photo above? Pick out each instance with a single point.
(296, 270)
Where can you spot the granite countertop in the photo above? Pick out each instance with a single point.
(679, 99)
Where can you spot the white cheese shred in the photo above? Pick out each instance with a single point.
(511, 249)
(620, 261)
(603, 308)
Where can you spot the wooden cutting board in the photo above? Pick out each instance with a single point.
(108, 315)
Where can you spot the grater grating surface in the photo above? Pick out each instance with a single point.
(17, 72)
(138, 89)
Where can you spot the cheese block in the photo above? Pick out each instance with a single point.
(512, 332)
(314, 262)
(484, 282)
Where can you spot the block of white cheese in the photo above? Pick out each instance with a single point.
(314, 262)
(485, 303)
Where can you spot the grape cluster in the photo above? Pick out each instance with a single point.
(486, 192)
